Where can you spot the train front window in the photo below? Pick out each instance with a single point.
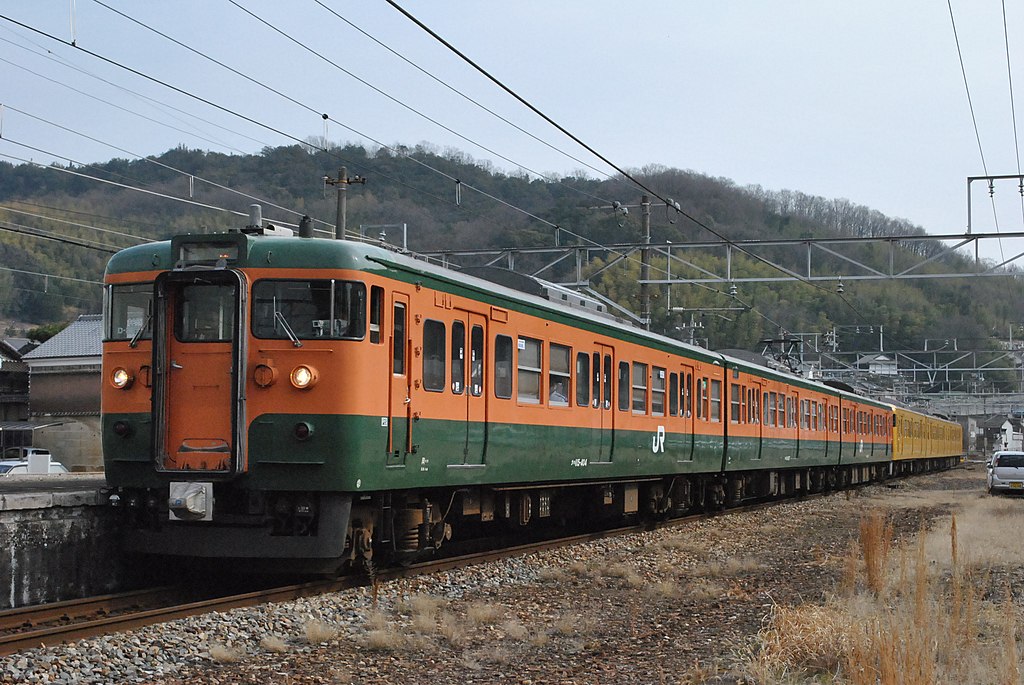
(205, 313)
(309, 310)
(128, 312)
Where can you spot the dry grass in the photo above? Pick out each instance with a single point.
(384, 641)
(723, 569)
(274, 643)
(317, 631)
(551, 574)
(451, 629)
(664, 589)
(703, 590)
(224, 654)
(514, 630)
(916, 615)
(377, 620)
(479, 613)
(422, 605)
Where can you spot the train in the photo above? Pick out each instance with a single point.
(289, 402)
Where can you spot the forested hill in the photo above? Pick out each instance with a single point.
(442, 214)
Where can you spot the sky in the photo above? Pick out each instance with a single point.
(857, 100)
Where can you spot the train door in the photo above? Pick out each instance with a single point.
(754, 409)
(400, 383)
(687, 387)
(604, 401)
(796, 418)
(199, 403)
(475, 448)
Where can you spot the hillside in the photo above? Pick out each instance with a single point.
(440, 215)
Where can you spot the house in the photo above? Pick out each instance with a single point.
(65, 376)
(13, 384)
(878, 363)
(1002, 433)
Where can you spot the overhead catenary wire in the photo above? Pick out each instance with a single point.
(76, 224)
(447, 85)
(162, 165)
(167, 109)
(251, 120)
(974, 119)
(12, 227)
(384, 94)
(597, 154)
(1013, 109)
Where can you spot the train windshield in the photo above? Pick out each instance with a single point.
(205, 312)
(308, 310)
(128, 312)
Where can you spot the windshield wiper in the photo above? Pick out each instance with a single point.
(142, 329)
(279, 317)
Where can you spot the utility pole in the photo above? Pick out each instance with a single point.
(342, 182)
(645, 264)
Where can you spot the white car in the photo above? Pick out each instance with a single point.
(19, 467)
(1006, 472)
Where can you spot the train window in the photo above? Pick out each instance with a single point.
(305, 310)
(528, 371)
(846, 420)
(476, 361)
(502, 364)
(205, 312)
(398, 346)
(607, 380)
(716, 400)
(688, 395)
(128, 311)
(658, 391)
(735, 391)
(673, 394)
(623, 386)
(639, 388)
(702, 398)
(458, 356)
(791, 412)
(596, 369)
(583, 379)
(773, 409)
(433, 356)
(376, 313)
(558, 374)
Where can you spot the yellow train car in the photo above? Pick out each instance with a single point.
(918, 436)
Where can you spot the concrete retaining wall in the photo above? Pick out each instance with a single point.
(57, 546)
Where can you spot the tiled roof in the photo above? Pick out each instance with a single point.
(82, 338)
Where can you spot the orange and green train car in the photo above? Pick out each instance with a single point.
(310, 402)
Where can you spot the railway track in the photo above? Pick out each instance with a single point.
(49, 624)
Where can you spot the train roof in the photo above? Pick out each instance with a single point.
(266, 251)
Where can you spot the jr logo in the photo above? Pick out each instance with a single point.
(658, 440)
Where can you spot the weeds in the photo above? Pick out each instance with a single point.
(914, 622)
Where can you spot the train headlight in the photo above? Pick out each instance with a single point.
(304, 376)
(265, 375)
(121, 379)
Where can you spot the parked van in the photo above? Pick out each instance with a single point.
(1006, 472)
(23, 453)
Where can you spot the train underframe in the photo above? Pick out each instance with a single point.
(326, 533)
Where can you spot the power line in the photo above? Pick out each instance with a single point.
(103, 180)
(140, 96)
(463, 95)
(162, 165)
(974, 119)
(1013, 109)
(377, 90)
(74, 223)
(45, 235)
(588, 148)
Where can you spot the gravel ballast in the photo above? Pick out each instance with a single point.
(680, 605)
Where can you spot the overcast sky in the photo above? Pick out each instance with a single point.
(858, 100)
